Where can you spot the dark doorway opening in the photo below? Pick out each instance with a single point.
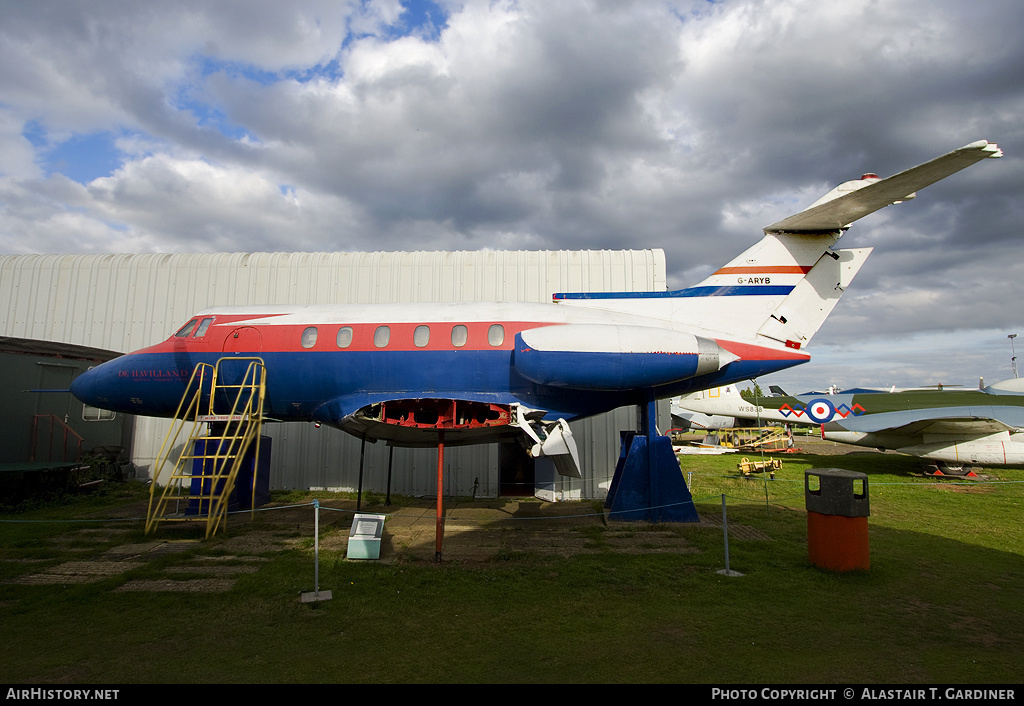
(517, 475)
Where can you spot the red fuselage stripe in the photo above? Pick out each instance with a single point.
(288, 337)
(269, 337)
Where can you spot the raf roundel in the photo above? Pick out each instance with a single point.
(820, 411)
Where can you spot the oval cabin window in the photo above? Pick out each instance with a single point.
(496, 334)
(460, 334)
(381, 336)
(309, 337)
(344, 337)
(421, 336)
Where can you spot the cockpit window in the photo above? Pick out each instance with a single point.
(203, 325)
(186, 330)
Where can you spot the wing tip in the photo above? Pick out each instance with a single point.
(992, 149)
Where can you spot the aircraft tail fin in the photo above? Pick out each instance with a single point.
(780, 290)
(784, 287)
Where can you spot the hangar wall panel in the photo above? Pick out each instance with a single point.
(126, 302)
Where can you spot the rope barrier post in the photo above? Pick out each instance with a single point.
(316, 594)
(725, 531)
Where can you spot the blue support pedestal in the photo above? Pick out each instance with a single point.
(260, 468)
(648, 485)
(241, 497)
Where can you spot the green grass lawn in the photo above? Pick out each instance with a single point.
(942, 602)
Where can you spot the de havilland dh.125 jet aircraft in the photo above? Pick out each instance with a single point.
(952, 428)
(435, 374)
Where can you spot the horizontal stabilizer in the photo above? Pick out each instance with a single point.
(859, 198)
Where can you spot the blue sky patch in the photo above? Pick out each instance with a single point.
(424, 18)
(81, 158)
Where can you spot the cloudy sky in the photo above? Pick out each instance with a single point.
(320, 125)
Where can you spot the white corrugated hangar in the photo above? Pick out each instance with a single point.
(127, 302)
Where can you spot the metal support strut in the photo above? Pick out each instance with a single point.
(439, 527)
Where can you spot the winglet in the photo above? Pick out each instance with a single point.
(848, 202)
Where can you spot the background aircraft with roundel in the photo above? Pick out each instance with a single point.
(952, 428)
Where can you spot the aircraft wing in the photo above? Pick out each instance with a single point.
(968, 421)
(869, 196)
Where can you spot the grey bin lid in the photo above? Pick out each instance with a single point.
(839, 492)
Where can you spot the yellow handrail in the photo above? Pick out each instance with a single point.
(244, 432)
(187, 409)
(241, 427)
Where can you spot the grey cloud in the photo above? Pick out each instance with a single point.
(684, 126)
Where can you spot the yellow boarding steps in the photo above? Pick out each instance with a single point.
(227, 396)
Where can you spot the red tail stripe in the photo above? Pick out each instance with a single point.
(768, 270)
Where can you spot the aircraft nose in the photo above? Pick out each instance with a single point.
(93, 386)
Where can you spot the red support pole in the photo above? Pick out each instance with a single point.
(439, 528)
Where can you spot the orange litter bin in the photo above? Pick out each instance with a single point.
(837, 519)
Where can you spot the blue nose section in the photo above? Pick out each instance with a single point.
(146, 384)
(97, 387)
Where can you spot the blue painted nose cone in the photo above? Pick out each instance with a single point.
(93, 386)
(132, 384)
(83, 386)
